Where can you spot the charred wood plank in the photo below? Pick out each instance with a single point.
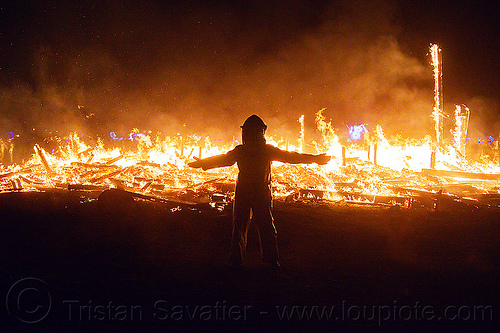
(40, 153)
(460, 174)
(84, 187)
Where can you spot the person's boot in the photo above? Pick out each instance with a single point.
(275, 264)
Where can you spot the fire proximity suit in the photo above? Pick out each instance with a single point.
(253, 198)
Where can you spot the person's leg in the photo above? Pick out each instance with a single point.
(267, 231)
(241, 218)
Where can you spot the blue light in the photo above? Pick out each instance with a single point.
(356, 131)
(114, 137)
(10, 135)
(489, 139)
(132, 137)
(137, 136)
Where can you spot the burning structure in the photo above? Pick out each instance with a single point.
(375, 170)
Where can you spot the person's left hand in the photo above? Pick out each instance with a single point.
(196, 164)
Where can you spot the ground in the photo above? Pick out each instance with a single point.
(118, 264)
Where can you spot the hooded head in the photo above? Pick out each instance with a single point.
(253, 130)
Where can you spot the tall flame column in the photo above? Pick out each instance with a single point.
(438, 112)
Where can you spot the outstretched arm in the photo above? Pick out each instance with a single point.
(295, 158)
(216, 161)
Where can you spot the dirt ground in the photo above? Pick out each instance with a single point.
(121, 265)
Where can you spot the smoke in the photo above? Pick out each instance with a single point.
(483, 118)
(199, 68)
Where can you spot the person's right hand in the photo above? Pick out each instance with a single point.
(322, 159)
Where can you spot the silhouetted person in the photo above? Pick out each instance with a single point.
(253, 197)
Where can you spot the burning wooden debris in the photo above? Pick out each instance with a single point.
(350, 180)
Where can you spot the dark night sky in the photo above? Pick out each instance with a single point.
(103, 65)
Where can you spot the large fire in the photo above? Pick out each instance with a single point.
(384, 171)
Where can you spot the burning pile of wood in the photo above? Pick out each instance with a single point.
(91, 170)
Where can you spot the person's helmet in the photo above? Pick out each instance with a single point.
(254, 122)
(252, 131)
